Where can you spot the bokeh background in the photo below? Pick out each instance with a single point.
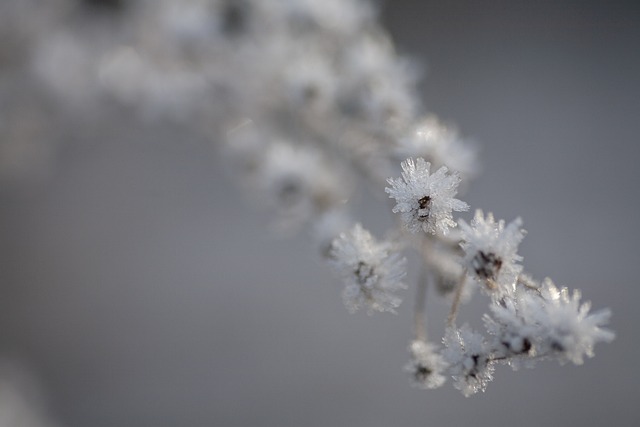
(141, 289)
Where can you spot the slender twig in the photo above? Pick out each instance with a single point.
(451, 320)
(419, 314)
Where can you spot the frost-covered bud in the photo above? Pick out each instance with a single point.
(490, 249)
(426, 366)
(331, 18)
(567, 330)
(439, 144)
(469, 358)
(298, 182)
(377, 85)
(310, 82)
(512, 327)
(547, 322)
(372, 271)
(425, 200)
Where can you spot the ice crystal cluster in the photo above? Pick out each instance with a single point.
(372, 271)
(425, 200)
(310, 103)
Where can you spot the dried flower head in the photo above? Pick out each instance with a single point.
(546, 323)
(425, 200)
(426, 366)
(567, 330)
(470, 359)
(512, 328)
(372, 271)
(439, 144)
(298, 181)
(490, 249)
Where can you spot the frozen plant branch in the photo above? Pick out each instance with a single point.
(310, 103)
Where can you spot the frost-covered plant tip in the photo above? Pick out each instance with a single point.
(312, 104)
(372, 271)
(425, 200)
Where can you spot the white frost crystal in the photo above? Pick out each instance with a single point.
(490, 249)
(567, 330)
(512, 328)
(439, 144)
(372, 271)
(546, 323)
(425, 200)
(298, 181)
(469, 357)
(426, 366)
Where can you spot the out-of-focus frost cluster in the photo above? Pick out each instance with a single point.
(372, 271)
(310, 103)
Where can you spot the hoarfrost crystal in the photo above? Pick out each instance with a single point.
(490, 249)
(440, 145)
(427, 366)
(425, 200)
(512, 328)
(567, 330)
(372, 271)
(469, 356)
(546, 323)
(297, 181)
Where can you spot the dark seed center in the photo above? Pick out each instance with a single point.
(363, 272)
(424, 205)
(486, 265)
(422, 372)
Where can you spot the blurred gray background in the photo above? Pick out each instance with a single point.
(144, 291)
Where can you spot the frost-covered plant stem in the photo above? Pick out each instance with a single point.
(457, 296)
(419, 313)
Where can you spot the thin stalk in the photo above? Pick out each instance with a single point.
(451, 320)
(419, 308)
(419, 313)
